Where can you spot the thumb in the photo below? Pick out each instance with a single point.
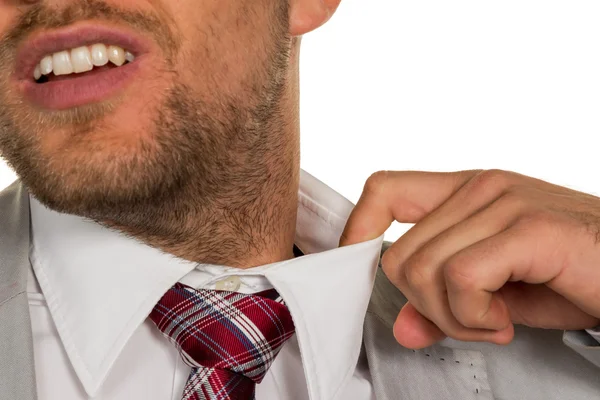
(414, 331)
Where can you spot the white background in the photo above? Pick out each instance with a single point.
(448, 85)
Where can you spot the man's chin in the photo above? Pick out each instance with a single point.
(91, 192)
(88, 171)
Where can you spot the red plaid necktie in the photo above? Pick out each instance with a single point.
(229, 339)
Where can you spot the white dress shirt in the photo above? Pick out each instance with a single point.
(91, 290)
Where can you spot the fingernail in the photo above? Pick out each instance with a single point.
(394, 331)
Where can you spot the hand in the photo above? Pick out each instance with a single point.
(489, 249)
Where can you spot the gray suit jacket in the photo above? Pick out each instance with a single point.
(537, 365)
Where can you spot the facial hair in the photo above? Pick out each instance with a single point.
(199, 181)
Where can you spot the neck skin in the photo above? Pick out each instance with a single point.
(257, 227)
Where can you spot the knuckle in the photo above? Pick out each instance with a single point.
(386, 260)
(394, 268)
(493, 181)
(457, 273)
(391, 268)
(516, 199)
(377, 182)
(418, 276)
(389, 261)
(468, 320)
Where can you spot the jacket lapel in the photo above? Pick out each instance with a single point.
(17, 371)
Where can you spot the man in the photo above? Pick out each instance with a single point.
(162, 242)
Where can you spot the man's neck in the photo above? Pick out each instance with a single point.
(244, 230)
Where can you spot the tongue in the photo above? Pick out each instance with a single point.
(96, 70)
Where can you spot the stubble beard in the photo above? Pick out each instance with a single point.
(196, 187)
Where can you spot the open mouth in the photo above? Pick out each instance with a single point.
(80, 64)
(81, 61)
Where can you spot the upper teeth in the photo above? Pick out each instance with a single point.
(81, 59)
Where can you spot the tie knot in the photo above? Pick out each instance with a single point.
(227, 331)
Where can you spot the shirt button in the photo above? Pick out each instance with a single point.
(230, 284)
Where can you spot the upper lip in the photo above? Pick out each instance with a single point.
(41, 44)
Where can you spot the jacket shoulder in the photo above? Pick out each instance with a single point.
(14, 213)
(10, 201)
(386, 299)
(10, 192)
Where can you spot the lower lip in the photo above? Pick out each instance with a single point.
(80, 90)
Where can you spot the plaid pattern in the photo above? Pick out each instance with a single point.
(229, 339)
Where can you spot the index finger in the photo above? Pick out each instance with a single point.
(403, 196)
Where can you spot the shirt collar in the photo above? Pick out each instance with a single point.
(101, 285)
